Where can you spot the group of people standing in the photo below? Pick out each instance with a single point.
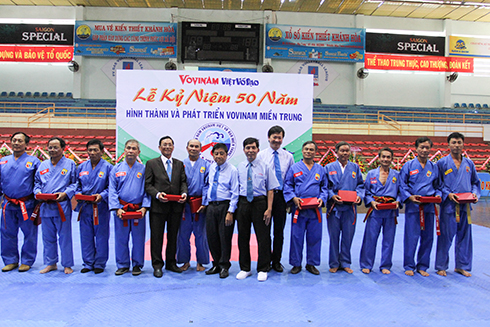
(195, 197)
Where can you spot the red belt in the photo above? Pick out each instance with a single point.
(129, 207)
(353, 209)
(380, 199)
(18, 202)
(192, 198)
(95, 209)
(37, 218)
(422, 219)
(296, 213)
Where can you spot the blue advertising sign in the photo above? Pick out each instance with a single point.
(126, 39)
(484, 183)
(318, 43)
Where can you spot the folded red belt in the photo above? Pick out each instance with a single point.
(386, 206)
(172, 197)
(348, 196)
(81, 197)
(465, 198)
(46, 196)
(428, 199)
(132, 215)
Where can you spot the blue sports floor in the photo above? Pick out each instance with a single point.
(194, 299)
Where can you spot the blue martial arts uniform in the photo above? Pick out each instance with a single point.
(453, 180)
(17, 182)
(54, 179)
(415, 180)
(197, 185)
(94, 239)
(342, 217)
(304, 183)
(128, 184)
(378, 219)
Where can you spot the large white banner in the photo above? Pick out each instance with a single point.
(212, 107)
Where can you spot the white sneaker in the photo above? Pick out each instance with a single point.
(243, 274)
(262, 276)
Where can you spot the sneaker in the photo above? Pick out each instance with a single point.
(243, 274)
(262, 276)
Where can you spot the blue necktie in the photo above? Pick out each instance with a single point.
(277, 165)
(214, 189)
(169, 170)
(250, 186)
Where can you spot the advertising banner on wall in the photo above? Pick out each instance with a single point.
(317, 43)
(20, 53)
(428, 64)
(46, 34)
(126, 39)
(113, 65)
(405, 44)
(468, 46)
(212, 107)
(323, 74)
(484, 183)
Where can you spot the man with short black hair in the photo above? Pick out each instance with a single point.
(165, 176)
(221, 202)
(56, 176)
(343, 175)
(93, 180)
(257, 182)
(280, 160)
(458, 175)
(306, 179)
(419, 177)
(381, 187)
(17, 183)
(127, 194)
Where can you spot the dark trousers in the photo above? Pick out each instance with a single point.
(219, 235)
(249, 213)
(157, 229)
(279, 220)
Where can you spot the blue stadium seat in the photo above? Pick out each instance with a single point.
(44, 95)
(485, 106)
(471, 105)
(3, 94)
(478, 106)
(52, 95)
(69, 95)
(20, 94)
(37, 94)
(28, 94)
(61, 95)
(12, 94)
(463, 105)
(456, 105)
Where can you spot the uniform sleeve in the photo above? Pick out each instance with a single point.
(234, 190)
(404, 188)
(205, 187)
(475, 181)
(289, 186)
(360, 183)
(1, 192)
(113, 195)
(105, 192)
(146, 201)
(38, 185)
(368, 195)
(79, 182)
(398, 195)
(437, 184)
(72, 187)
(324, 187)
(445, 190)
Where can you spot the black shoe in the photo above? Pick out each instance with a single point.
(158, 273)
(136, 271)
(173, 267)
(277, 267)
(121, 271)
(214, 270)
(312, 269)
(223, 273)
(98, 270)
(85, 270)
(295, 270)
